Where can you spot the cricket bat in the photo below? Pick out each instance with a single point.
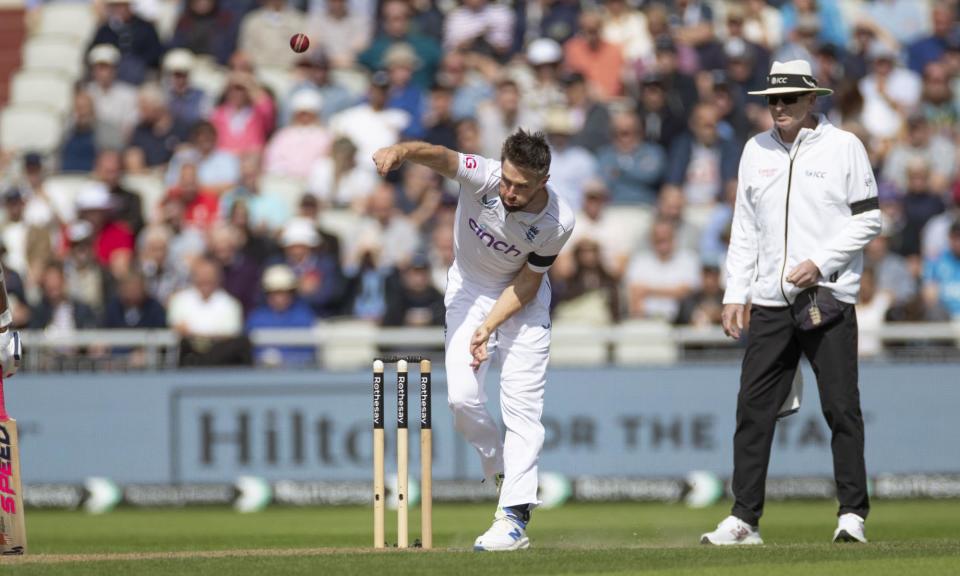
(13, 528)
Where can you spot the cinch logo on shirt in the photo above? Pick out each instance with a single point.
(470, 162)
(491, 241)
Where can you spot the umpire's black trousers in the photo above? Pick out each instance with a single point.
(773, 350)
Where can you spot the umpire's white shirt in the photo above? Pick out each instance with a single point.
(813, 200)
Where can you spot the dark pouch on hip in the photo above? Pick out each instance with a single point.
(816, 308)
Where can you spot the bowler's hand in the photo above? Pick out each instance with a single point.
(734, 320)
(478, 346)
(804, 275)
(10, 352)
(389, 158)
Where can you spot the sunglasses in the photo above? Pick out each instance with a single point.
(786, 99)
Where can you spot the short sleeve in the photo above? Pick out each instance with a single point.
(543, 258)
(475, 173)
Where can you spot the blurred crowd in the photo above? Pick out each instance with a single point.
(644, 103)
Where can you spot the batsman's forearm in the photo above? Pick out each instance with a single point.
(437, 158)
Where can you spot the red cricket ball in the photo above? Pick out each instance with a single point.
(299, 43)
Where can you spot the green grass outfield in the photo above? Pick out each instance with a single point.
(912, 538)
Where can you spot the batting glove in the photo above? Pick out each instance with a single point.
(10, 352)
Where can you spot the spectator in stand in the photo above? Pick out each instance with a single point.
(56, 314)
(626, 27)
(703, 307)
(440, 254)
(499, 117)
(340, 32)
(438, 119)
(923, 51)
(937, 100)
(112, 238)
(472, 78)
(294, 149)
(554, 19)
(802, 41)
(338, 181)
(744, 64)
(207, 27)
(400, 62)
(282, 308)
(480, 26)
(762, 24)
(671, 207)
(240, 273)
(396, 28)
(833, 30)
(14, 237)
(921, 143)
(309, 210)
(591, 294)
(661, 124)
(419, 195)
(383, 221)
(216, 169)
(201, 206)
(591, 118)
(208, 320)
(659, 279)
(265, 34)
(890, 93)
(187, 242)
(158, 134)
(545, 56)
(631, 167)
(919, 205)
(86, 279)
(679, 87)
(941, 277)
(601, 62)
(186, 103)
(267, 211)
(80, 143)
(161, 278)
(415, 301)
(893, 278)
(114, 101)
(318, 278)
(703, 162)
(245, 117)
(139, 49)
(371, 125)
(570, 166)
(691, 22)
(594, 223)
(872, 306)
(901, 18)
(313, 75)
(133, 307)
(126, 205)
(468, 136)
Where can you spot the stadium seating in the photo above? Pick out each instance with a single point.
(30, 128)
(54, 54)
(69, 21)
(42, 87)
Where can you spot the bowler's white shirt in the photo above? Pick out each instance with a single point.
(490, 244)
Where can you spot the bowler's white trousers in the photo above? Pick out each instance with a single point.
(521, 346)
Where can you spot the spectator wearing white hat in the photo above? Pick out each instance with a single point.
(111, 238)
(282, 308)
(186, 103)
(86, 279)
(294, 149)
(544, 56)
(313, 75)
(136, 40)
(115, 101)
(319, 281)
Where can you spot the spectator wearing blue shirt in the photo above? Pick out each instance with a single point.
(401, 62)
(631, 168)
(319, 281)
(703, 161)
(932, 48)
(941, 278)
(396, 28)
(132, 307)
(186, 103)
(135, 38)
(282, 308)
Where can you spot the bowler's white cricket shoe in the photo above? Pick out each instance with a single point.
(732, 531)
(508, 532)
(850, 529)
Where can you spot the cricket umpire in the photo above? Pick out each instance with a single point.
(806, 206)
